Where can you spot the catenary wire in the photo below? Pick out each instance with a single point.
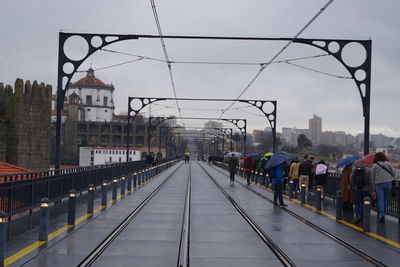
(317, 71)
(153, 5)
(263, 67)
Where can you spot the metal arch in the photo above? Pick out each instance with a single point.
(144, 102)
(65, 76)
(242, 129)
(271, 116)
(363, 83)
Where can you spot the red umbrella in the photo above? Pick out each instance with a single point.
(369, 159)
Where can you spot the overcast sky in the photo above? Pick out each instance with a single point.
(29, 46)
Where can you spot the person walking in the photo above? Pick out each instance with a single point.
(321, 176)
(248, 166)
(149, 160)
(348, 196)
(361, 183)
(277, 182)
(232, 165)
(294, 173)
(305, 171)
(383, 174)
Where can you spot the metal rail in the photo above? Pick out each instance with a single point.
(285, 260)
(96, 253)
(183, 258)
(317, 228)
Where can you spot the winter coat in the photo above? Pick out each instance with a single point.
(380, 175)
(294, 170)
(348, 194)
(251, 164)
(232, 165)
(369, 186)
(279, 174)
(306, 168)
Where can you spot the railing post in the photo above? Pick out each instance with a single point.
(114, 188)
(339, 206)
(71, 206)
(398, 204)
(44, 219)
(135, 177)
(129, 187)
(318, 198)
(3, 226)
(303, 193)
(90, 204)
(291, 186)
(123, 185)
(367, 214)
(104, 184)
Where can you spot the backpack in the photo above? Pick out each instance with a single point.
(247, 164)
(360, 178)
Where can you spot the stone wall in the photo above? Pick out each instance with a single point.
(25, 125)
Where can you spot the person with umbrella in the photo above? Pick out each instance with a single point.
(276, 164)
(232, 165)
(348, 195)
(261, 167)
(248, 166)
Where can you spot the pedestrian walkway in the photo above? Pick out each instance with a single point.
(229, 225)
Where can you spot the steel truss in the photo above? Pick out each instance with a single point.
(68, 66)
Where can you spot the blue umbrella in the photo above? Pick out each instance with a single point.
(348, 161)
(252, 155)
(277, 159)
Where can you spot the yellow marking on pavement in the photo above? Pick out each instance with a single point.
(23, 252)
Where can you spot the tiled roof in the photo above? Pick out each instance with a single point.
(6, 168)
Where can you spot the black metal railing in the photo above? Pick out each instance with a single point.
(23, 191)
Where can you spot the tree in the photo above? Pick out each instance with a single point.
(303, 141)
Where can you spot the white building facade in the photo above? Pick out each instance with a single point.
(89, 156)
(94, 97)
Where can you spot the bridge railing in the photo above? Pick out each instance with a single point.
(22, 192)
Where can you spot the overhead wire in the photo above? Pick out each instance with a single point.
(263, 67)
(164, 47)
(318, 71)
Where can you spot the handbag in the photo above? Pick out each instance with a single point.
(393, 190)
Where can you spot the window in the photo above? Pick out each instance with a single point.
(88, 100)
(120, 159)
(105, 101)
(105, 110)
(110, 159)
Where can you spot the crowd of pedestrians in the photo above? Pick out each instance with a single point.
(356, 182)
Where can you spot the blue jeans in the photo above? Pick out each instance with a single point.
(382, 194)
(358, 202)
(278, 193)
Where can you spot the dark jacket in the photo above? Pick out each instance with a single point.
(306, 168)
(233, 164)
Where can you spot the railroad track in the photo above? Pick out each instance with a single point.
(284, 259)
(314, 226)
(182, 257)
